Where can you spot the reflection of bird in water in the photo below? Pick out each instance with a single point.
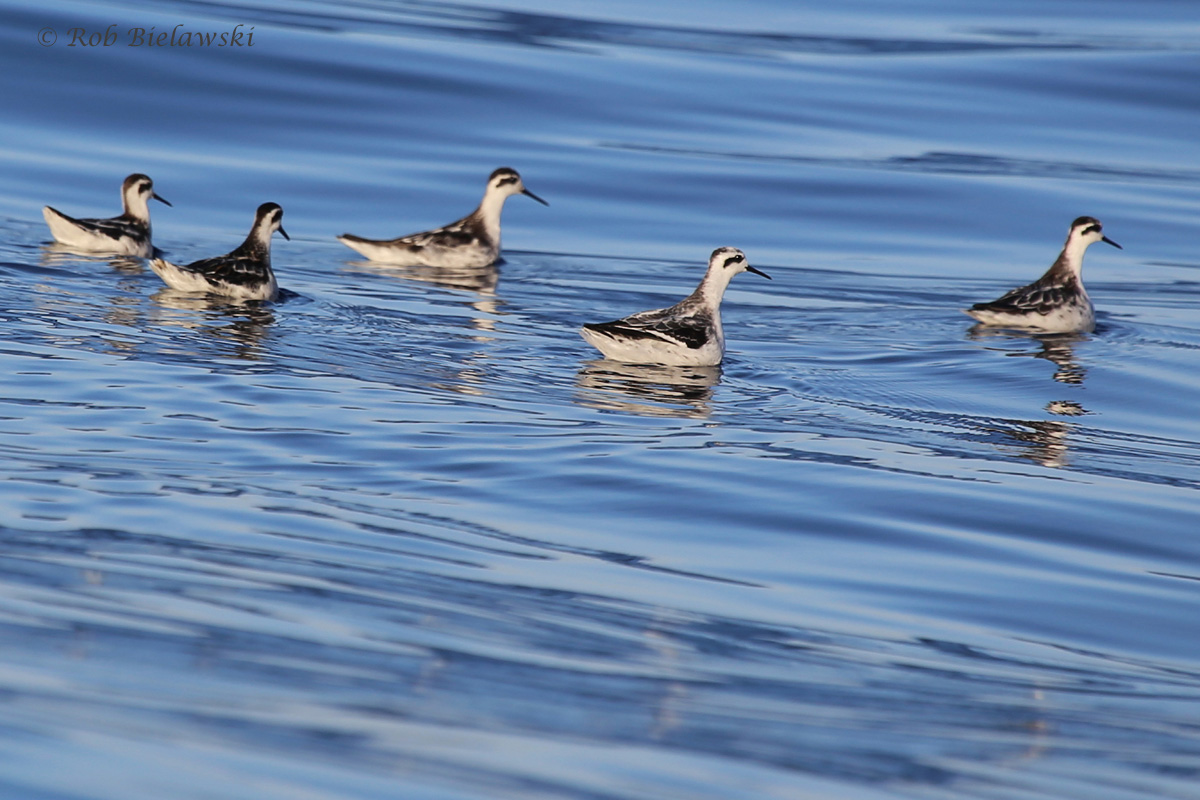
(1057, 348)
(481, 280)
(1045, 440)
(474, 279)
(1060, 350)
(1066, 408)
(244, 325)
(666, 651)
(126, 310)
(56, 255)
(648, 389)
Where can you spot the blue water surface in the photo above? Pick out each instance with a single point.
(404, 534)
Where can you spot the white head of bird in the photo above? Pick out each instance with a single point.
(723, 264)
(1085, 231)
(502, 184)
(136, 192)
(267, 219)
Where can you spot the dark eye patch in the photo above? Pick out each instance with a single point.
(734, 260)
(505, 181)
(1092, 229)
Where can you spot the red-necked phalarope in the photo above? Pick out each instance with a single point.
(473, 241)
(243, 274)
(1057, 301)
(686, 334)
(128, 234)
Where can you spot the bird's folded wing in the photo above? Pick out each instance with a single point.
(1034, 298)
(230, 269)
(690, 331)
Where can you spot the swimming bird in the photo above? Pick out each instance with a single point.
(128, 234)
(1057, 301)
(242, 274)
(686, 334)
(473, 241)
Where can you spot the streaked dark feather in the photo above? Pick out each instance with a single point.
(114, 228)
(466, 231)
(692, 331)
(1040, 297)
(233, 269)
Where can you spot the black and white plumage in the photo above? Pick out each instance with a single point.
(473, 241)
(128, 234)
(243, 274)
(688, 333)
(1057, 301)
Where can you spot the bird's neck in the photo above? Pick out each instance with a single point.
(258, 242)
(488, 213)
(712, 288)
(136, 207)
(1070, 261)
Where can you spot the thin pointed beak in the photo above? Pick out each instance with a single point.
(758, 271)
(1107, 240)
(282, 231)
(528, 193)
(159, 199)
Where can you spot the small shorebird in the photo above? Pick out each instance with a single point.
(128, 234)
(1057, 301)
(686, 334)
(243, 274)
(473, 241)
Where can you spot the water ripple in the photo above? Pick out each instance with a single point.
(401, 532)
(946, 163)
(539, 29)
